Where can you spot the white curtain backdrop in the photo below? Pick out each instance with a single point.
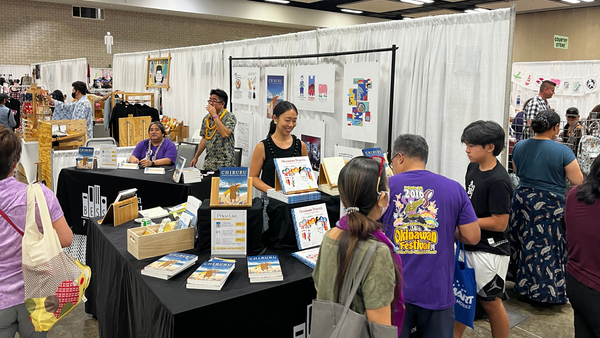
(14, 72)
(450, 70)
(563, 69)
(61, 74)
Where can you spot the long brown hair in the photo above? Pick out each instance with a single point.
(357, 184)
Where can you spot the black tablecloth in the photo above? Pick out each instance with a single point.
(128, 304)
(254, 226)
(281, 233)
(77, 185)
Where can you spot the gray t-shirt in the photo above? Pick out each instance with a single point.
(7, 118)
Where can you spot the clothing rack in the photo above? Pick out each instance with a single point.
(127, 95)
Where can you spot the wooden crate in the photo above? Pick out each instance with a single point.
(179, 133)
(158, 244)
(45, 143)
(138, 130)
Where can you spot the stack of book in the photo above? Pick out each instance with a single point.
(308, 256)
(191, 175)
(211, 275)
(264, 269)
(294, 198)
(170, 265)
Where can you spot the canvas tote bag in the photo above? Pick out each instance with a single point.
(465, 288)
(54, 281)
(330, 319)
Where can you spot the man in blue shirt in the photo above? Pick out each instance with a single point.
(6, 116)
(79, 110)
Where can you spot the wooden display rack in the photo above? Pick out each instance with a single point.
(214, 195)
(133, 130)
(31, 133)
(121, 212)
(77, 135)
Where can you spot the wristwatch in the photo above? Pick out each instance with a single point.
(153, 163)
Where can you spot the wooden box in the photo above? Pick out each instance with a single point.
(179, 133)
(158, 244)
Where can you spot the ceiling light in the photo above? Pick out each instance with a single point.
(587, 0)
(472, 10)
(351, 11)
(414, 2)
(479, 9)
(279, 1)
(427, 1)
(572, 1)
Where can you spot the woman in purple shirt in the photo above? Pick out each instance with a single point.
(14, 316)
(582, 217)
(156, 150)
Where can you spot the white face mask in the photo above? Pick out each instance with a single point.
(384, 209)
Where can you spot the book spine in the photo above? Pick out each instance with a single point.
(296, 229)
(281, 181)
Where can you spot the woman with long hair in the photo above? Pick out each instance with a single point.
(363, 191)
(582, 215)
(538, 246)
(279, 143)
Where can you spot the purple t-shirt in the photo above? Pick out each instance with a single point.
(14, 204)
(425, 209)
(167, 150)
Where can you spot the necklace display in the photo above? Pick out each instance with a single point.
(270, 145)
(214, 128)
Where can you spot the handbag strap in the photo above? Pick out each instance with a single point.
(10, 222)
(356, 281)
(460, 247)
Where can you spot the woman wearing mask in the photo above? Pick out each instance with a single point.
(363, 191)
(538, 246)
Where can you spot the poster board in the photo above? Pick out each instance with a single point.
(157, 72)
(313, 87)
(360, 107)
(275, 87)
(246, 84)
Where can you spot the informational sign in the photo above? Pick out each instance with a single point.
(561, 42)
(108, 157)
(228, 233)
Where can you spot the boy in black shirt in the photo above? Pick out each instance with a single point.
(490, 190)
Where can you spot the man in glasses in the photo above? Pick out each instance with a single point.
(427, 211)
(217, 134)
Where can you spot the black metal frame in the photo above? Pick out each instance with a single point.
(318, 55)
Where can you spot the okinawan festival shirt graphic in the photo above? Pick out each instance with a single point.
(415, 221)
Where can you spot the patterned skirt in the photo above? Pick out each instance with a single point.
(538, 245)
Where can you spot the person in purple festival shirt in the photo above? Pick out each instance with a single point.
(14, 316)
(155, 150)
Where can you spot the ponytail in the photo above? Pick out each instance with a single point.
(272, 128)
(279, 109)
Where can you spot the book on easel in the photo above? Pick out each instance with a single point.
(294, 175)
(178, 168)
(329, 172)
(233, 188)
(372, 152)
(310, 225)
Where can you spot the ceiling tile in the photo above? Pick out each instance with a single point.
(378, 6)
(525, 5)
(432, 13)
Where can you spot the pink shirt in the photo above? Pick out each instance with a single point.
(13, 202)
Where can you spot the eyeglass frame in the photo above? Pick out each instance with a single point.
(211, 101)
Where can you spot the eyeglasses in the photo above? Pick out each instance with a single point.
(392, 159)
(214, 101)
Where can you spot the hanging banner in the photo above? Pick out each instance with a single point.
(244, 135)
(313, 87)
(567, 86)
(518, 76)
(577, 87)
(361, 87)
(558, 88)
(275, 87)
(246, 83)
(590, 84)
(528, 80)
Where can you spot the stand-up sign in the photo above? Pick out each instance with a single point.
(228, 233)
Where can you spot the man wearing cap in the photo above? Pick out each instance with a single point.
(78, 110)
(7, 118)
(537, 105)
(573, 130)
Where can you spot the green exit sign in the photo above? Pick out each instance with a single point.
(561, 42)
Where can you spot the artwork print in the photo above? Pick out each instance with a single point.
(360, 109)
(245, 86)
(276, 87)
(313, 146)
(313, 87)
(158, 72)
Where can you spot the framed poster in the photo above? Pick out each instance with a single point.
(313, 87)
(361, 87)
(246, 84)
(158, 72)
(275, 87)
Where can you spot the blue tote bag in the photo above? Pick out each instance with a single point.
(465, 288)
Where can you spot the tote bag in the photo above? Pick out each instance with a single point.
(465, 288)
(54, 281)
(330, 319)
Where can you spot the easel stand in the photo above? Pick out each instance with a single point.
(214, 195)
(121, 212)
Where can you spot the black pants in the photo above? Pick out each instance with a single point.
(428, 323)
(586, 306)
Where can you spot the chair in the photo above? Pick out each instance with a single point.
(187, 150)
(196, 138)
(237, 153)
(96, 141)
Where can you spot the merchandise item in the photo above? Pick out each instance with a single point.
(310, 224)
(80, 110)
(540, 164)
(264, 269)
(211, 275)
(191, 175)
(169, 265)
(14, 205)
(294, 198)
(272, 151)
(121, 110)
(233, 186)
(424, 212)
(490, 193)
(308, 256)
(166, 150)
(295, 174)
(219, 150)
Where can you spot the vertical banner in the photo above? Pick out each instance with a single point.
(313, 87)
(246, 84)
(275, 87)
(361, 87)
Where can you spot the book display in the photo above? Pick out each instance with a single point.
(191, 175)
(169, 265)
(189, 217)
(328, 175)
(310, 223)
(211, 275)
(294, 175)
(308, 256)
(231, 188)
(85, 158)
(178, 168)
(295, 198)
(264, 269)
